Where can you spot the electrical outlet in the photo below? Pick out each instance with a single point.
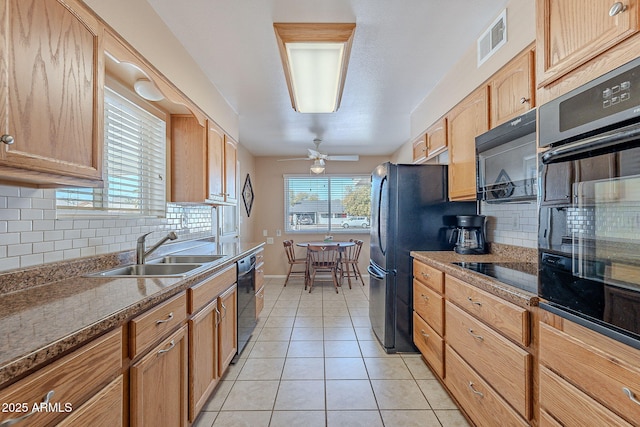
(265, 232)
(269, 240)
(278, 233)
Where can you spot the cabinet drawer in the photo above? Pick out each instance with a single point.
(429, 305)
(429, 343)
(483, 405)
(102, 410)
(511, 320)
(260, 256)
(504, 365)
(570, 406)
(259, 301)
(596, 372)
(151, 326)
(71, 379)
(206, 291)
(429, 276)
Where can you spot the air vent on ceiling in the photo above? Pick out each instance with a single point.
(493, 38)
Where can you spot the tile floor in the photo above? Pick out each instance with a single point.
(313, 361)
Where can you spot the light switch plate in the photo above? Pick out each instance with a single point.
(269, 240)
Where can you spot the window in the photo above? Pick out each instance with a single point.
(327, 204)
(134, 165)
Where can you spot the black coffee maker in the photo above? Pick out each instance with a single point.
(468, 236)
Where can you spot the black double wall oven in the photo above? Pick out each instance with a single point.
(589, 205)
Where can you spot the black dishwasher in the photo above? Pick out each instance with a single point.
(246, 301)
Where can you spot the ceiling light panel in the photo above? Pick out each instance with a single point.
(315, 58)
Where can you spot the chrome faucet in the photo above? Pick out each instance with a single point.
(141, 252)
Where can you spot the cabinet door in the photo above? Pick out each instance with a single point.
(51, 88)
(159, 384)
(437, 138)
(227, 330)
(465, 121)
(188, 159)
(215, 157)
(203, 357)
(230, 169)
(420, 149)
(512, 89)
(105, 409)
(570, 34)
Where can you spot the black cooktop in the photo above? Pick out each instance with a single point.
(522, 275)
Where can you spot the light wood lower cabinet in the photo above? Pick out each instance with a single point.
(66, 383)
(603, 369)
(568, 406)
(430, 344)
(481, 402)
(159, 384)
(105, 409)
(228, 328)
(203, 357)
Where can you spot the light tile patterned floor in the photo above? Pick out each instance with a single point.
(313, 361)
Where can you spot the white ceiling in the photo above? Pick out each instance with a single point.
(401, 49)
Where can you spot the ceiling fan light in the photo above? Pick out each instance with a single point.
(317, 167)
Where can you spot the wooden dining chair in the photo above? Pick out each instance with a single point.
(324, 259)
(293, 262)
(349, 262)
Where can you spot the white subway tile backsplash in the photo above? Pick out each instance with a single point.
(31, 232)
(512, 224)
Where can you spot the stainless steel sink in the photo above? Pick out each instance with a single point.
(149, 270)
(189, 259)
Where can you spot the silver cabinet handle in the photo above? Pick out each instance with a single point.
(617, 8)
(476, 336)
(524, 100)
(7, 139)
(478, 303)
(630, 395)
(172, 344)
(479, 393)
(218, 316)
(168, 319)
(424, 297)
(224, 307)
(425, 275)
(424, 334)
(261, 296)
(6, 423)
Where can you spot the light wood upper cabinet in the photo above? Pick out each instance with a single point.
(570, 34)
(51, 90)
(420, 149)
(437, 138)
(513, 89)
(465, 121)
(188, 159)
(230, 169)
(215, 143)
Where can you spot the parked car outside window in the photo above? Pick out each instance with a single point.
(305, 220)
(356, 221)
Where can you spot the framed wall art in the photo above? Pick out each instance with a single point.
(247, 195)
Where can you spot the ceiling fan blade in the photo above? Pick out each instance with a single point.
(296, 158)
(313, 154)
(345, 158)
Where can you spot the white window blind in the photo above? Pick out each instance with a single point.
(327, 203)
(134, 165)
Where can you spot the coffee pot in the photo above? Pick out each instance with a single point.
(468, 236)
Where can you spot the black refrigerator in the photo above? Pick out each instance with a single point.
(410, 211)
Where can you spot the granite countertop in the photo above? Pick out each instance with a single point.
(443, 261)
(39, 323)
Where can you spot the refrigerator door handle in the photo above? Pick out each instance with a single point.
(376, 271)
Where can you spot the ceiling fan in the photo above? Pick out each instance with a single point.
(319, 158)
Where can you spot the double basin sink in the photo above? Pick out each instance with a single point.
(168, 266)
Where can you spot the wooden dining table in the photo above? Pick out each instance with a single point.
(341, 245)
